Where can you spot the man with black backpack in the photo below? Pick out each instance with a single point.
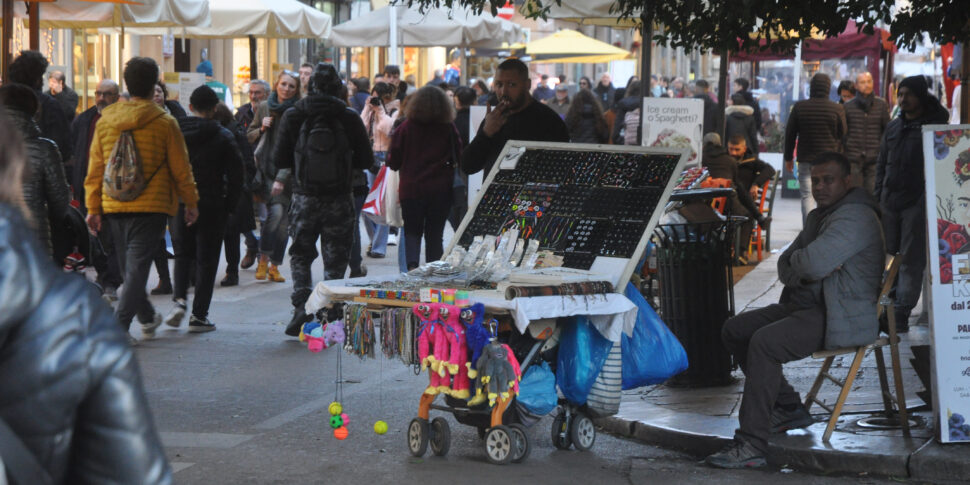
(323, 141)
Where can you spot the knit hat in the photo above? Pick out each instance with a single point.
(205, 67)
(916, 85)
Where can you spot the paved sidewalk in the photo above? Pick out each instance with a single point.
(702, 420)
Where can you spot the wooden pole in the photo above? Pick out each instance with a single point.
(7, 44)
(33, 12)
(722, 89)
(253, 66)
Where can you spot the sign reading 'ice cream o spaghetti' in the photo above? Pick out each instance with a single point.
(676, 123)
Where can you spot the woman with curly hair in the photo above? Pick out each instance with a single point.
(585, 119)
(424, 149)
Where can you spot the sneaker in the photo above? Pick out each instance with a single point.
(372, 254)
(248, 260)
(359, 272)
(392, 239)
(200, 325)
(783, 420)
(110, 294)
(176, 314)
(230, 280)
(274, 274)
(163, 288)
(739, 454)
(148, 329)
(296, 323)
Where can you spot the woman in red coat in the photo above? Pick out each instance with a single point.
(424, 150)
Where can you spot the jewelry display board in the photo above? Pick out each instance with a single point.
(594, 205)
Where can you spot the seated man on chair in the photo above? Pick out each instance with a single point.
(752, 171)
(831, 274)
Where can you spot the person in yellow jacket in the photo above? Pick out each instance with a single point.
(138, 225)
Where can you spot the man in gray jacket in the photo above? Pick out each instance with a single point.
(831, 274)
(866, 116)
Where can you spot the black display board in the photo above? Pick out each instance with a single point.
(583, 202)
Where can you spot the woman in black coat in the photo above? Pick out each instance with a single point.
(585, 119)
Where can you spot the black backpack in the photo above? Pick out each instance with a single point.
(323, 158)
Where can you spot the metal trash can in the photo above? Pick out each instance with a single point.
(697, 296)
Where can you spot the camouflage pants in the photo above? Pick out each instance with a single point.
(330, 220)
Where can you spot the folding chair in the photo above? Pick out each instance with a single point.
(765, 202)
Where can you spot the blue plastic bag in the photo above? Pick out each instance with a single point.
(582, 351)
(653, 354)
(537, 391)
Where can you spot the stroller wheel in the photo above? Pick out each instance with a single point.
(522, 445)
(418, 437)
(582, 432)
(560, 432)
(440, 436)
(499, 445)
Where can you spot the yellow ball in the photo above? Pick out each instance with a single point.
(380, 427)
(335, 408)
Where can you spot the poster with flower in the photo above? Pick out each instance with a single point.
(946, 152)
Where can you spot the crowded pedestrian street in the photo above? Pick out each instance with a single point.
(517, 241)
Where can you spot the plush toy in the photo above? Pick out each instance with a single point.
(476, 335)
(497, 375)
(432, 347)
(333, 333)
(458, 359)
(312, 334)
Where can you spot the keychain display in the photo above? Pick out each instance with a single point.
(398, 338)
(359, 329)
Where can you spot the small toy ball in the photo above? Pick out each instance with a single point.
(345, 418)
(336, 422)
(340, 433)
(380, 427)
(335, 408)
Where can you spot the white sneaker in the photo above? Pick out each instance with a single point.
(148, 329)
(392, 239)
(176, 314)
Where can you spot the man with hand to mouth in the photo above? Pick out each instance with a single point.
(516, 117)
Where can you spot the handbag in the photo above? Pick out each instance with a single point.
(382, 205)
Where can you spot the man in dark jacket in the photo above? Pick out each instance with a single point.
(72, 391)
(831, 274)
(29, 69)
(59, 90)
(605, 92)
(218, 171)
(752, 171)
(712, 115)
(325, 213)
(720, 164)
(901, 191)
(464, 99)
(542, 91)
(741, 86)
(867, 117)
(258, 92)
(740, 121)
(818, 124)
(518, 116)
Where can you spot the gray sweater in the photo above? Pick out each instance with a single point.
(842, 248)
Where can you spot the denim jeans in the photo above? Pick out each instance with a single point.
(402, 257)
(805, 188)
(136, 238)
(273, 235)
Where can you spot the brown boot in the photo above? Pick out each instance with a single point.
(261, 270)
(248, 260)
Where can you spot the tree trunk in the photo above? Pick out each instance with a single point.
(722, 89)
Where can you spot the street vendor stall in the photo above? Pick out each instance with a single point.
(536, 266)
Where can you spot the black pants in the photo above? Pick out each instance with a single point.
(761, 341)
(355, 258)
(107, 264)
(161, 264)
(905, 232)
(201, 242)
(425, 217)
(459, 206)
(240, 223)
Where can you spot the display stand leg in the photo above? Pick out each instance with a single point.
(500, 405)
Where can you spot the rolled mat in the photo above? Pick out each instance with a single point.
(565, 289)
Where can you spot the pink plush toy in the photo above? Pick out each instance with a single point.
(333, 333)
(458, 359)
(432, 346)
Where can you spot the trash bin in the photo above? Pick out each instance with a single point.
(697, 295)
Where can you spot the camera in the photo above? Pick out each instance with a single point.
(374, 100)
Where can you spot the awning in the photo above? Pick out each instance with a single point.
(77, 14)
(588, 12)
(277, 19)
(571, 46)
(437, 27)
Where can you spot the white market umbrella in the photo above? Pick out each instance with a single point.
(437, 27)
(276, 19)
(75, 14)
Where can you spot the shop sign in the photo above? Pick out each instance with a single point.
(168, 46)
(946, 151)
(675, 123)
(188, 81)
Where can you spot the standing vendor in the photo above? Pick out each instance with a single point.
(517, 117)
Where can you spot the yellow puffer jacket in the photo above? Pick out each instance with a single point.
(161, 147)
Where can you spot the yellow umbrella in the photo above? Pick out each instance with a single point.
(571, 46)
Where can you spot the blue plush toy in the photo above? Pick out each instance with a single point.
(476, 335)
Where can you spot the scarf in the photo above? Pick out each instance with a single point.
(278, 108)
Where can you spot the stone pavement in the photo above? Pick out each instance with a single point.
(702, 420)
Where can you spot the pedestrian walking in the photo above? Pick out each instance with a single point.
(322, 141)
(58, 89)
(585, 119)
(171, 107)
(258, 92)
(241, 218)
(217, 169)
(740, 121)
(28, 69)
(138, 224)
(380, 111)
(626, 128)
(560, 100)
(605, 91)
(867, 117)
(274, 186)
(712, 115)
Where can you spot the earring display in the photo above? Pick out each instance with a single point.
(582, 261)
(638, 204)
(498, 200)
(534, 200)
(569, 200)
(622, 239)
(586, 235)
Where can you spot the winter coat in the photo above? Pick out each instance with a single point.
(755, 107)
(54, 123)
(333, 108)
(605, 94)
(68, 99)
(244, 115)
(216, 162)
(899, 167)
(866, 119)
(817, 123)
(720, 164)
(175, 109)
(536, 122)
(623, 107)
(740, 121)
(267, 169)
(712, 118)
(82, 132)
(753, 172)
(378, 123)
(560, 109)
(45, 186)
(542, 93)
(161, 149)
(422, 153)
(584, 129)
(842, 247)
(69, 381)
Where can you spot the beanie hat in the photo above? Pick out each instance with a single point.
(916, 85)
(205, 67)
(325, 80)
(203, 98)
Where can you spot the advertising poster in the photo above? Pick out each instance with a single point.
(676, 123)
(188, 81)
(947, 155)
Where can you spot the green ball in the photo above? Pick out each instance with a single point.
(336, 422)
(380, 427)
